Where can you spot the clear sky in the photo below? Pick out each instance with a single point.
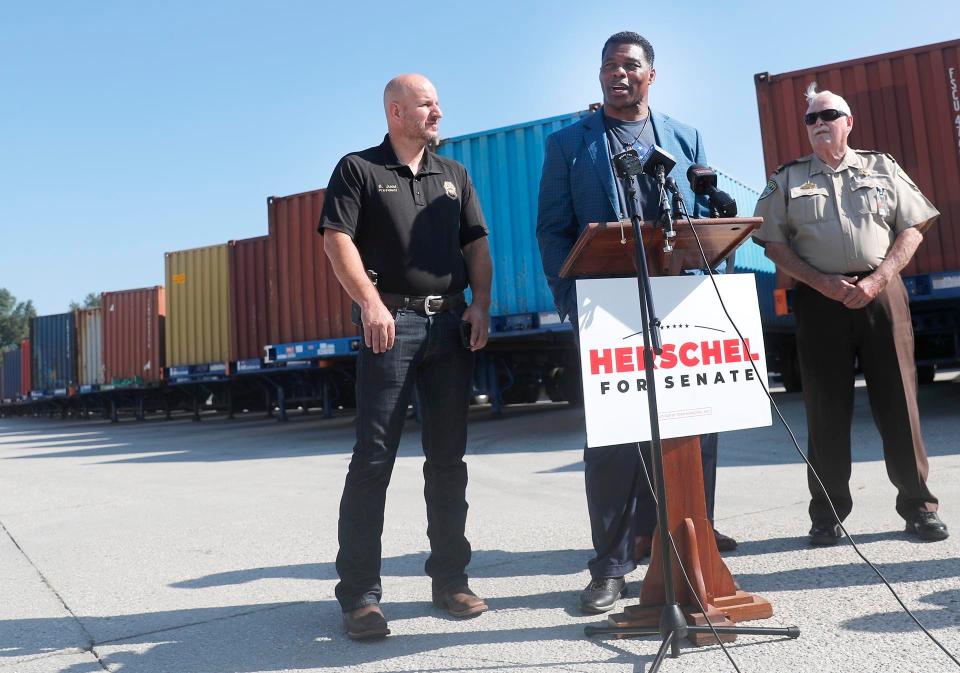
(128, 129)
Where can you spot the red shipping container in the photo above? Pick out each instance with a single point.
(306, 301)
(247, 260)
(26, 379)
(133, 336)
(906, 103)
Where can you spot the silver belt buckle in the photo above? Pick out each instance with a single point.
(426, 303)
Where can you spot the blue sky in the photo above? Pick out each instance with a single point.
(128, 130)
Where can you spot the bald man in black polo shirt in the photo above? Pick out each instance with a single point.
(405, 234)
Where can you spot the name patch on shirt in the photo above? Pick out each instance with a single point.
(387, 188)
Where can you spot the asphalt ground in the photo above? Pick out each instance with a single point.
(209, 548)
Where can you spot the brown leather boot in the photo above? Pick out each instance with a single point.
(460, 601)
(365, 623)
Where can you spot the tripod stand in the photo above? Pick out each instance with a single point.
(672, 622)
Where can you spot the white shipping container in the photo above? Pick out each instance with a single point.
(90, 346)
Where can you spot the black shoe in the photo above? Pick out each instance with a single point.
(927, 526)
(601, 595)
(365, 623)
(825, 536)
(724, 542)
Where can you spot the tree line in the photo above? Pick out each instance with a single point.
(15, 317)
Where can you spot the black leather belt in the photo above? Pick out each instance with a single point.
(428, 305)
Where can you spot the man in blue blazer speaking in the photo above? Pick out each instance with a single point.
(578, 187)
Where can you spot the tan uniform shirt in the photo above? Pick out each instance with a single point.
(843, 220)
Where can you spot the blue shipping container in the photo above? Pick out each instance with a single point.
(505, 165)
(10, 386)
(54, 352)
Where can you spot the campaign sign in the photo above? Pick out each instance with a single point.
(705, 378)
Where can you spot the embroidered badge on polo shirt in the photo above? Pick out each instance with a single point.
(450, 189)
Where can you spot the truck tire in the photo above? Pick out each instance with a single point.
(524, 389)
(790, 370)
(926, 374)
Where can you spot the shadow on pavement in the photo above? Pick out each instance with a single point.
(849, 575)
(296, 636)
(521, 429)
(485, 563)
(942, 614)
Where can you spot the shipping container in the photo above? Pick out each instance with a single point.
(90, 346)
(249, 291)
(505, 165)
(306, 301)
(10, 385)
(133, 336)
(198, 306)
(905, 103)
(54, 353)
(26, 367)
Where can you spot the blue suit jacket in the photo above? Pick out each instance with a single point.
(577, 187)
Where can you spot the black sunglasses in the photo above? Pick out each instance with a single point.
(827, 115)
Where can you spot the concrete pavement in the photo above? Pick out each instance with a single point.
(208, 548)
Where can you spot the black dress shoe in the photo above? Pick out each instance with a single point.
(601, 595)
(927, 526)
(365, 623)
(825, 535)
(724, 542)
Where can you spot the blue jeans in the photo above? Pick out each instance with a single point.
(428, 357)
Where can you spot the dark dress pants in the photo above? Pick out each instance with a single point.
(621, 505)
(831, 339)
(428, 357)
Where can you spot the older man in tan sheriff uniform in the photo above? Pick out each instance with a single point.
(844, 222)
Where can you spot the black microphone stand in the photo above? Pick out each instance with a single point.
(673, 626)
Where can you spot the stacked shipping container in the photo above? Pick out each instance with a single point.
(11, 373)
(26, 367)
(249, 331)
(906, 103)
(306, 301)
(90, 346)
(198, 310)
(54, 352)
(133, 336)
(505, 165)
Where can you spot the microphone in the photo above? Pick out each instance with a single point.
(678, 204)
(656, 159)
(703, 180)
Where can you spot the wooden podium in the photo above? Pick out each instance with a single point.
(606, 250)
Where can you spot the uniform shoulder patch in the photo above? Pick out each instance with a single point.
(878, 153)
(801, 160)
(769, 189)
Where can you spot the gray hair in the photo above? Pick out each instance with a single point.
(811, 94)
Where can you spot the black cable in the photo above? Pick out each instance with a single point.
(796, 445)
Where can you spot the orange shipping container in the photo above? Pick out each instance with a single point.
(306, 301)
(906, 103)
(248, 297)
(133, 336)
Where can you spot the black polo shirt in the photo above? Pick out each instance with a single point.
(408, 228)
